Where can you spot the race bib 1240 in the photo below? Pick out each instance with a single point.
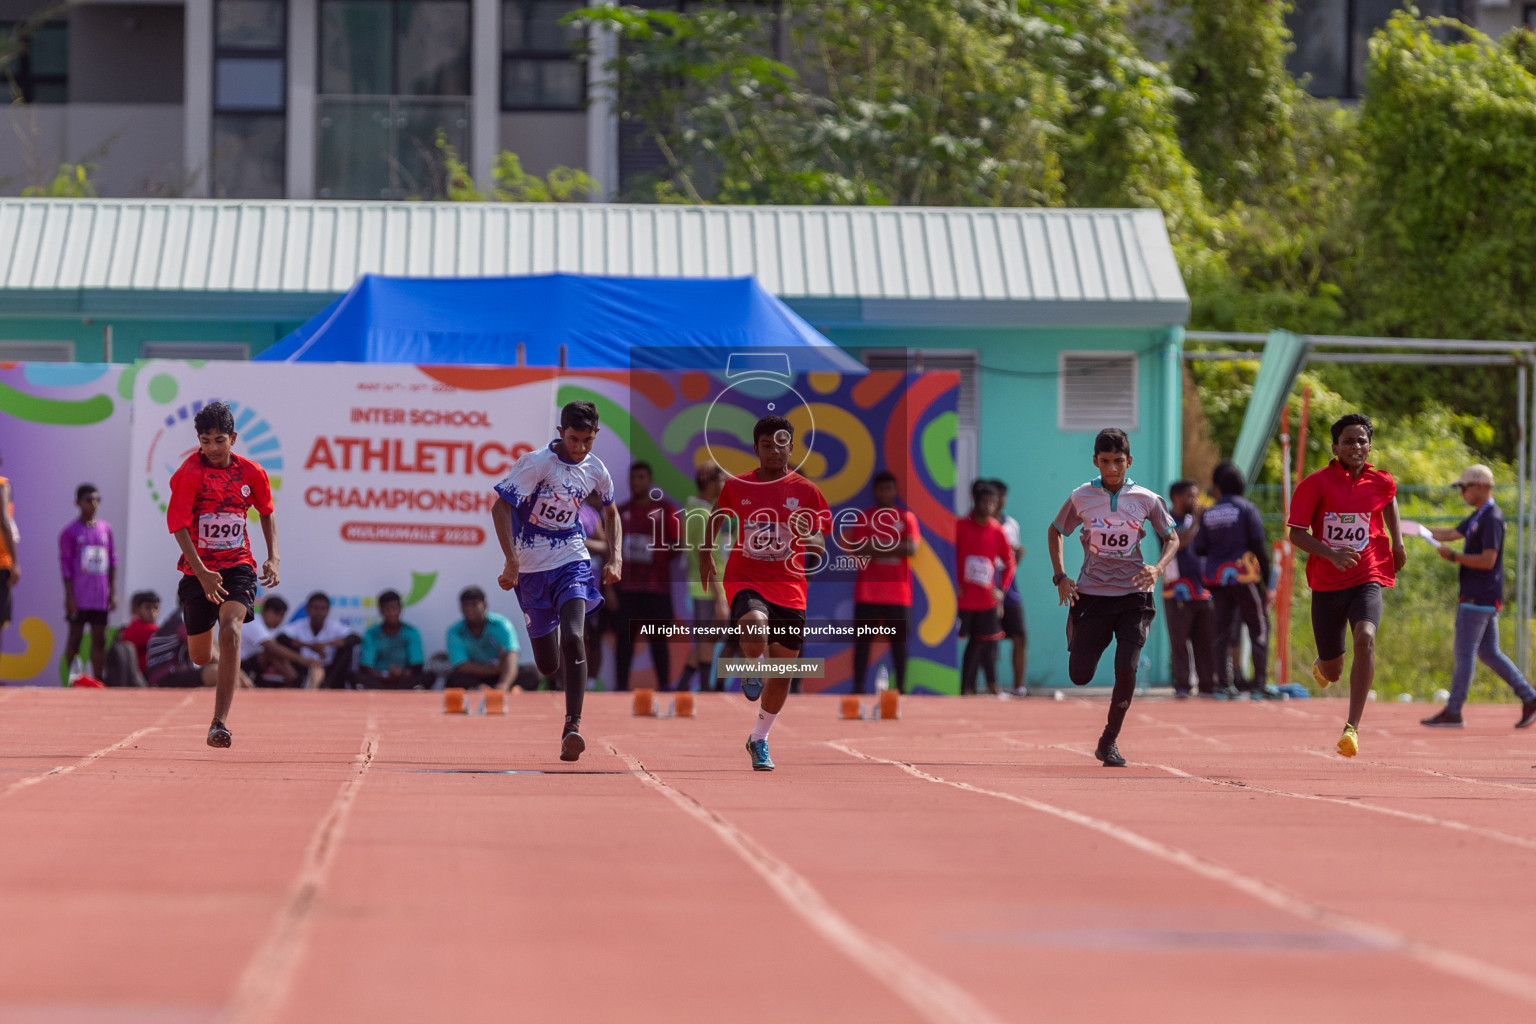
(1347, 530)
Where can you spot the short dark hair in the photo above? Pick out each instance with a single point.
(1228, 478)
(578, 416)
(275, 604)
(1354, 419)
(981, 489)
(641, 464)
(318, 595)
(214, 418)
(1179, 486)
(999, 486)
(471, 594)
(389, 597)
(1112, 440)
(84, 489)
(769, 426)
(143, 597)
(707, 473)
(885, 476)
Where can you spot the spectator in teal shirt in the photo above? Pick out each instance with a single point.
(483, 647)
(391, 656)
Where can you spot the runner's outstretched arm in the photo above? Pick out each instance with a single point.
(501, 518)
(1395, 531)
(613, 569)
(269, 567)
(1056, 543)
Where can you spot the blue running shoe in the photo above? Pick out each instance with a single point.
(751, 688)
(759, 751)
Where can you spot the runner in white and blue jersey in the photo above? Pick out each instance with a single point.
(539, 528)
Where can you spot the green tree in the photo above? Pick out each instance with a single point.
(511, 184)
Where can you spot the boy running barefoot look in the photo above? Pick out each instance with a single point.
(1112, 598)
(1344, 517)
(210, 496)
(538, 525)
(779, 516)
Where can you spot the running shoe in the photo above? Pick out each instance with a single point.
(759, 751)
(1322, 681)
(1109, 754)
(1181, 695)
(1527, 715)
(218, 734)
(1349, 743)
(1021, 691)
(571, 744)
(1444, 720)
(752, 688)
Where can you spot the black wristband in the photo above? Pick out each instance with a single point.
(1056, 579)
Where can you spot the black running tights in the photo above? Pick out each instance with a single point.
(564, 652)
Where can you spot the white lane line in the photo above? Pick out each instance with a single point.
(933, 996)
(1392, 812)
(268, 977)
(88, 759)
(1185, 731)
(1430, 771)
(1459, 965)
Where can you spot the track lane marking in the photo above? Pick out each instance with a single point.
(1459, 965)
(267, 979)
(934, 997)
(1430, 771)
(89, 759)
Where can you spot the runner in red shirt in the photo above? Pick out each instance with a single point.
(210, 496)
(780, 519)
(1344, 517)
(652, 543)
(980, 547)
(882, 595)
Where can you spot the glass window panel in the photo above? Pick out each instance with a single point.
(557, 84)
(355, 48)
(512, 28)
(1321, 45)
(434, 49)
(418, 164)
(354, 153)
(520, 83)
(563, 83)
(248, 83)
(250, 24)
(545, 32)
(50, 92)
(49, 50)
(249, 156)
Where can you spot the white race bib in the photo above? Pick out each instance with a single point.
(1115, 538)
(980, 571)
(220, 531)
(553, 513)
(1347, 530)
(93, 560)
(765, 540)
(637, 549)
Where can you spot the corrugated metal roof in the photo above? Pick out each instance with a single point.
(995, 264)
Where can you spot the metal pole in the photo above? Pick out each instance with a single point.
(1522, 540)
(1529, 532)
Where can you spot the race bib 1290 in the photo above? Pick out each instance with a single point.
(1347, 530)
(220, 531)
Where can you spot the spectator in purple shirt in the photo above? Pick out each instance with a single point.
(1236, 553)
(88, 560)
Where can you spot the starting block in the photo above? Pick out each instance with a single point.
(493, 703)
(454, 702)
(683, 705)
(647, 706)
(886, 706)
(645, 703)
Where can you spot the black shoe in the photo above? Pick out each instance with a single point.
(1229, 693)
(1452, 720)
(571, 743)
(218, 735)
(1109, 754)
(1527, 715)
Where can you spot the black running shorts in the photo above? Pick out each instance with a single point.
(201, 614)
(1335, 612)
(778, 617)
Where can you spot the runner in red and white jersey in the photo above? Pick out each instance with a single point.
(1344, 517)
(781, 520)
(211, 495)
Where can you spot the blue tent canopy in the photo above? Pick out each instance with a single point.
(652, 323)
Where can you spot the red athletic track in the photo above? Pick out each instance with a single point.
(966, 863)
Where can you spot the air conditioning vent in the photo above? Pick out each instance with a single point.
(1097, 390)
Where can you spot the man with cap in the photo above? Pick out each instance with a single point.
(1482, 594)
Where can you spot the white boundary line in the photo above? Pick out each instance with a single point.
(1430, 771)
(1459, 965)
(933, 996)
(265, 984)
(88, 759)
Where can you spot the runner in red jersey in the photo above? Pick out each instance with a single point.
(980, 546)
(887, 537)
(780, 519)
(1344, 517)
(210, 496)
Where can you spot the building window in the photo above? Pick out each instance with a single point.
(1332, 40)
(542, 64)
(1097, 390)
(1528, 17)
(250, 99)
(37, 351)
(217, 350)
(38, 72)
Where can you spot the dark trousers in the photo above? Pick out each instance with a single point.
(1230, 603)
(1190, 626)
(650, 608)
(366, 678)
(1096, 620)
(880, 615)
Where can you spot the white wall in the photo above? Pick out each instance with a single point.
(137, 147)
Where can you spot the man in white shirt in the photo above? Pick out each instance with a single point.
(267, 659)
(324, 640)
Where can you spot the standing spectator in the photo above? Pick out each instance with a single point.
(10, 539)
(1236, 553)
(391, 656)
(1013, 599)
(887, 537)
(1186, 601)
(600, 619)
(709, 606)
(482, 648)
(979, 546)
(128, 658)
(651, 531)
(88, 561)
(322, 638)
(268, 659)
(1481, 596)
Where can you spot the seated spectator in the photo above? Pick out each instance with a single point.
(169, 661)
(319, 637)
(270, 662)
(483, 647)
(391, 656)
(126, 662)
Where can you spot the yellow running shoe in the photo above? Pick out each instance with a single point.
(1349, 743)
(1322, 681)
